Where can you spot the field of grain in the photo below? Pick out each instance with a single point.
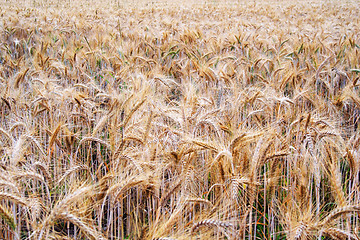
(179, 120)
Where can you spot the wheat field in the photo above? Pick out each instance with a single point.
(163, 120)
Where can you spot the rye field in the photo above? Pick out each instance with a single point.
(159, 120)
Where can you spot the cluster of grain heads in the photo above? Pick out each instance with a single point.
(161, 121)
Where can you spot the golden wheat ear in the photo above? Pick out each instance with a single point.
(84, 227)
(14, 198)
(336, 233)
(224, 227)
